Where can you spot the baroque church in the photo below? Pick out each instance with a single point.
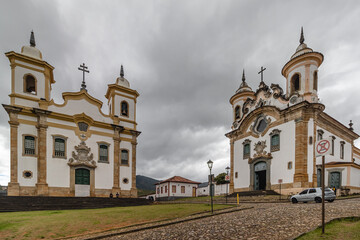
(71, 148)
(273, 135)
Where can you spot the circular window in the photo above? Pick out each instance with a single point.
(125, 180)
(27, 174)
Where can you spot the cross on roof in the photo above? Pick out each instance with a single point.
(261, 72)
(83, 69)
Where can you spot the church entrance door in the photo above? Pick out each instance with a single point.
(260, 176)
(335, 180)
(82, 182)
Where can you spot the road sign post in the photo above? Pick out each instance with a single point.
(322, 148)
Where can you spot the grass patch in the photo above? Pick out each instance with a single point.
(339, 229)
(55, 224)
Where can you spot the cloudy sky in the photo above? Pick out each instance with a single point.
(185, 58)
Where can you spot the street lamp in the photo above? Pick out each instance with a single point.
(210, 165)
(227, 174)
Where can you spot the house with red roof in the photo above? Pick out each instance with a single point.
(176, 187)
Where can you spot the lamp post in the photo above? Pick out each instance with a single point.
(210, 165)
(227, 174)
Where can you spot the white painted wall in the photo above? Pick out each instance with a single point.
(278, 163)
(26, 163)
(19, 80)
(81, 106)
(118, 99)
(355, 177)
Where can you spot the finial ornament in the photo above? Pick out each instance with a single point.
(351, 124)
(122, 71)
(83, 68)
(32, 39)
(302, 39)
(243, 76)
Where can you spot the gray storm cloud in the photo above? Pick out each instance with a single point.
(185, 58)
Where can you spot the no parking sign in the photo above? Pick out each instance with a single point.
(323, 147)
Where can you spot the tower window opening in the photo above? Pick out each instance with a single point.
(30, 84)
(295, 83)
(124, 108)
(315, 81)
(237, 112)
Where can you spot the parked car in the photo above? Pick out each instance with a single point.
(313, 194)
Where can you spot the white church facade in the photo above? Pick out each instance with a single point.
(71, 148)
(273, 134)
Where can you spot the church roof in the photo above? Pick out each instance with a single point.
(178, 179)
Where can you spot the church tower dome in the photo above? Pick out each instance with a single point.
(238, 99)
(301, 72)
(121, 80)
(31, 50)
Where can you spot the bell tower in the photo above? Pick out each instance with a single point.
(301, 72)
(122, 100)
(31, 76)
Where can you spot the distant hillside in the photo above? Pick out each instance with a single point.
(145, 183)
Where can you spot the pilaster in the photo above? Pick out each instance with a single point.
(13, 185)
(116, 180)
(231, 190)
(301, 135)
(42, 188)
(133, 191)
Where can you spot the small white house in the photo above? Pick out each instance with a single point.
(176, 187)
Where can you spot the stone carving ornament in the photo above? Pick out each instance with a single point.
(82, 158)
(260, 152)
(259, 147)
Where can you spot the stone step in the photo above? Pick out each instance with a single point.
(254, 193)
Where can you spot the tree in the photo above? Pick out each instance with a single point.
(220, 179)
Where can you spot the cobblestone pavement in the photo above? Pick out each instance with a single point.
(264, 221)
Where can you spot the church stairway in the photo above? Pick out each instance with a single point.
(254, 193)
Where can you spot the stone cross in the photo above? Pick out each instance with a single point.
(261, 72)
(83, 69)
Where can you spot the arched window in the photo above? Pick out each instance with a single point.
(315, 81)
(30, 84)
(29, 145)
(124, 109)
(237, 112)
(247, 150)
(289, 166)
(103, 153)
(332, 145)
(275, 140)
(295, 83)
(124, 157)
(342, 150)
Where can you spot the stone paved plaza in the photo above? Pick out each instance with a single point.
(264, 221)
